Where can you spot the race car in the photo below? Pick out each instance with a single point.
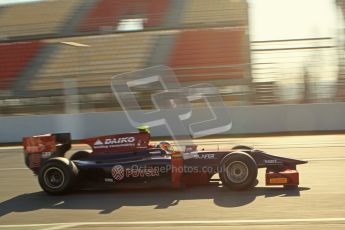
(129, 160)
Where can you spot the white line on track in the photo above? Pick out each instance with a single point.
(11, 148)
(11, 169)
(58, 227)
(181, 222)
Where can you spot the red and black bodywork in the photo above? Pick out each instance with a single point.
(128, 160)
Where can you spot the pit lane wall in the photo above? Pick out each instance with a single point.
(245, 120)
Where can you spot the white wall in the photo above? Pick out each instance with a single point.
(245, 120)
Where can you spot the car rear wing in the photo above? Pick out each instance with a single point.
(38, 149)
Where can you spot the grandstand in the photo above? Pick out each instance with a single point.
(37, 18)
(209, 55)
(340, 93)
(202, 42)
(14, 57)
(94, 65)
(108, 13)
(201, 13)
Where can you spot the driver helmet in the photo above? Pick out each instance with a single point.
(165, 146)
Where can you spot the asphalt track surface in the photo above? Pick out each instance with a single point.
(319, 201)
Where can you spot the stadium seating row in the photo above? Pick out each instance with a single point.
(211, 13)
(202, 55)
(48, 18)
(209, 54)
(37, 18)
(14, 57)
(94, 64)
(108, 13)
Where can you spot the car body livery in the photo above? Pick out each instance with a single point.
(129, 160)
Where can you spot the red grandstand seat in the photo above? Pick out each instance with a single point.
(209, 54)
(107, 13)
(14, 57)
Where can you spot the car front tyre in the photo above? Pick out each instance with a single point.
(238, 171)
(244, 147)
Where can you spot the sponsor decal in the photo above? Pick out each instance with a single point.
(119, 172)
(35, 149)
(207, 156)
(46, 154)
(271, 162)
(155, 152)
(278, 180)
(98, 142)
(114, 142)
(120, 140)
(145, 172)
(189, 155)
(108, 180)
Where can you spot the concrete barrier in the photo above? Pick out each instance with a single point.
(245, 120)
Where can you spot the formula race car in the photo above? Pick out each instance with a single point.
(129, 160)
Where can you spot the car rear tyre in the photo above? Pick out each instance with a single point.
(79, 155)
(58, 176)
(238, 171)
